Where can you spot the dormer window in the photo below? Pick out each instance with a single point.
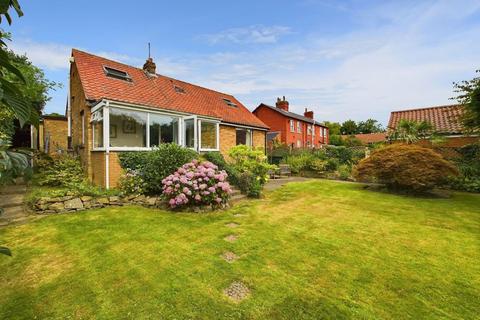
(179, 89)
(229, 102)
(117, 74)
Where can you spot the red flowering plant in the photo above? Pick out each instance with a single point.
(197, 184)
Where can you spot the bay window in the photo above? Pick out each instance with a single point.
(128, 128)
(163, 129)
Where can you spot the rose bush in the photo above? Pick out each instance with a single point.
(198, 184)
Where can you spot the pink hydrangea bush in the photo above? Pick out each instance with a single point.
(197, 184)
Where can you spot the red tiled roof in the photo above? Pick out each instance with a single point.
(157, 92)
(369, 137)
(445, 119)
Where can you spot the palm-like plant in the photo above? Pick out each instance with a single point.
(410, 131)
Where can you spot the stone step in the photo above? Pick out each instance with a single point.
(11, 200)
(13, 213)
(13, 189)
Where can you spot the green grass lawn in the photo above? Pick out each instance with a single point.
(309, 250)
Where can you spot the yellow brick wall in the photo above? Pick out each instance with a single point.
(56, 130)
(115, 170)
(97, 166)
(259, 139)
(78, 104)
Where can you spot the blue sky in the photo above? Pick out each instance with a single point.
(343, 59)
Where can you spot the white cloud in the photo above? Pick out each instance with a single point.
(252, 34)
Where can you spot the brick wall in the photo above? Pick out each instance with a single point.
(78, 104)
(97, 166)
(115, 170)
(55, 131)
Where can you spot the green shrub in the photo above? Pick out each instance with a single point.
(344, 172)
(153, 166)
(405, 167)
(61, 170)
(332, 164)
(250, 185)
(131, 183)
(468, 165)
(218, 159)
(252, 167)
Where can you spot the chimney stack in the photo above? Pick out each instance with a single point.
(282, 104)
(308, 114)
(149, 67)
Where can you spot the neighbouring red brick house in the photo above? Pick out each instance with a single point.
(446, 121)
(295, 130)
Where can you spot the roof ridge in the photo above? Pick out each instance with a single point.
(315, 122)
(425, 108)
(158, 74)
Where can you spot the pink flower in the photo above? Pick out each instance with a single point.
(197, 197)
(203, 186)
(211, 189)
(218, 200)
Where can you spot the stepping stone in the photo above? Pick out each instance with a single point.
(229, 256)
(232, 225)
(231, 238)
(237, 291)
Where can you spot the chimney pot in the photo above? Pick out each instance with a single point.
(308, 114)
(282, 104)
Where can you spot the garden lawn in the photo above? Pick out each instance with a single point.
(309, 250)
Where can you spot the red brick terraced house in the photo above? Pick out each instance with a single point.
(292, 129)
(446, 121)
(114, 108)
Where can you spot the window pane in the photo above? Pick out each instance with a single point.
(209, 135)
(97, 134)
(190, 133)
(128, 128)
(244, 136)
(163, 129)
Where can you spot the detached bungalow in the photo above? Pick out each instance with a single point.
(446, 121)
(113, 108)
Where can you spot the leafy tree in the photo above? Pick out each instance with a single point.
(333, 127)
(349, 127)
(369, 126)
(469, 97)
(410, 131)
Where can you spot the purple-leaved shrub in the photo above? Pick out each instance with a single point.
(198, 184)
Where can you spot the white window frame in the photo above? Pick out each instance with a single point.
(299, 127)
(92, 115)
(292, 125)
(217, 127)
(309, 129)
(249, 132)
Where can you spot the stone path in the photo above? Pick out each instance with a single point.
(12, 203)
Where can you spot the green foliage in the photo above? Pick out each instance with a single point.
(13, 164)
(409, 131)
(369, 126)
(332, 164)
(153, 166)
(469, 97)
(349, 127)
(62, 170)
(469, 167)
(405, 167)
(252, 167)
(344, 172)
(131, 183)
(218, 159)
(334, 128)
(250, 185)
(5, 251)
(335, 140)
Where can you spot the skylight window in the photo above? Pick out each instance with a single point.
(179, 89)
(229, 102)
(117, 74)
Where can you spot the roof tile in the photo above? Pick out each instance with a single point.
(157, 92)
